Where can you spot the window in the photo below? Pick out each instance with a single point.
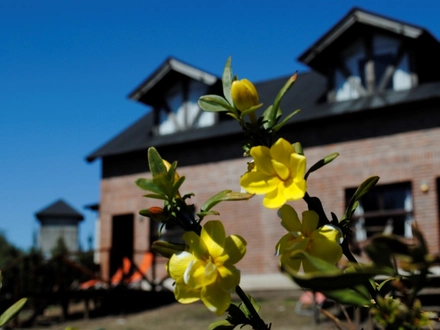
(386, 209)
(181, 111)
(389, 63)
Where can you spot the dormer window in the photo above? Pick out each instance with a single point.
(180, 110)
(371, 65)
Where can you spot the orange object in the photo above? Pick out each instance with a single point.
(145, 265)
(122, 272)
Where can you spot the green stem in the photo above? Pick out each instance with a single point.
(257, 321)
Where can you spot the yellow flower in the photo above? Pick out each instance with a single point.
(278, 173)
(206, 270)
(244, 94)
(322, 242)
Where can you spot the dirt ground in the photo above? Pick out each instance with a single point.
(277, 308)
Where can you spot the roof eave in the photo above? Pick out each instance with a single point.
(171, 64)
(359, 16)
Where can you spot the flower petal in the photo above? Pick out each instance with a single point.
(258, 182)
(216, 299)
(309, 223)
(297, 166)
(275, 198)
(213, 236)
(289, 218)
(235, 248)
(196, 245)
(184, 293)
(199, 274)
(282, 170)
(262, 160)
(178, 264)
(291, 265)
(294, 191)
(281, 151)
(229, 278)
(325, 244)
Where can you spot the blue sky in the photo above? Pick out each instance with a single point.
(66, 68)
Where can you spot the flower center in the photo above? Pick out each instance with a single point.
(210, 272)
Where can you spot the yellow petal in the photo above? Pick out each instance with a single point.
(324, 248)
(262, 160)
(229, 278)
(309, 223)
(258, 183)
(216, 299)
(289, 264)
(178, 264)
(199, 274)
(195, 245)
(275, 198)
(289, 218)
(294, 190)
(213, 236)
(185, 294)
(235, 248)
(297, 165)
(282, 171)
(282, 244)
(301, 243)
(281, 151)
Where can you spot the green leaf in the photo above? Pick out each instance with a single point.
(266, 116)
(277, 127)
(204, 214)
(364, 188)
(389, 245)
(155, 162)
(233, 115)
(326, 160)
(250, 110)
(227, 80)
(348, 296)
(161, 181)
(156, 196)
(236, 315)
(215, 103)
(386, 286)
(177, 185)
(149, 185)
(171, 172)
(225, 195)
(298, 148)
(272, 115)
(329, 277)
(221, 325)
(12, 311)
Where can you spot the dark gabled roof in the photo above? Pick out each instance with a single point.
(59, 209)
(308, 94)
(172, 70)
(355, 23)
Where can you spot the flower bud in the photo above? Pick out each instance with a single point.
(244, 94)
(167, 249)
(156, 213)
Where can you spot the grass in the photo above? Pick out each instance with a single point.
(277, 308)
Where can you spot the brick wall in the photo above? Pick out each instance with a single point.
(401, 157)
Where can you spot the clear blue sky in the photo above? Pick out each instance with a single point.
(66, 68)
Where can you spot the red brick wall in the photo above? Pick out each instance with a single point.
(411, 157)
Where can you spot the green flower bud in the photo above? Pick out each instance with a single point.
(167, 249)
(244, 94)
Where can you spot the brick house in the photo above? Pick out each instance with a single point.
(372, 94)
